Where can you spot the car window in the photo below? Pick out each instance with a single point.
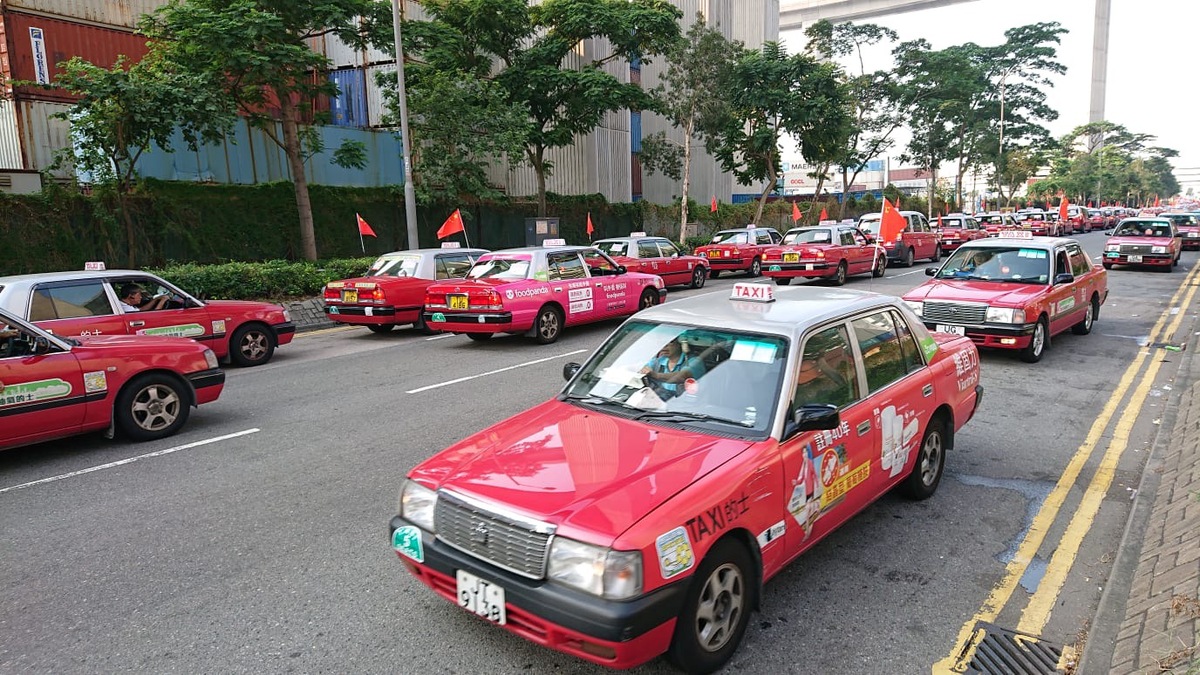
(402, 266)
(847, 238)
(70, 301)
(809, 235)
(613, 247)
(667, 249)
(827, 371)
(500, 268)
(859, 238)
(453, 266)
(1080, 264)
(883, 357)
(908, 344)
(600, 264)
(1010, 264)
(740, 237)
(647, 249)
(1060, 262)
(14, 341)
(565, 266)
(764, 237)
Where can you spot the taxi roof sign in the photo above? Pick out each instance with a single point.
(1015, 234)
(637, 234)
(554, 242)
(753, 292)
(93, 267)
(451, 244)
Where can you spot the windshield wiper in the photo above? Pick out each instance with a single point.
(683, 416)
(590, 399)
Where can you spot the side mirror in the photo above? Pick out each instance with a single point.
(570, 369)
(1179, 235)
(813, 417)
(1108, 233)
(621, 269)
(1064, 278)
(930, 271)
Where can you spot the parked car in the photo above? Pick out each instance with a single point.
(53, 386)
(831, 252)
(656, 255)
(392, 292)
(1146, 242)
(702, 447)
(538, 292)
(738, 250)
(917, 240)
(1096, 220)
(996, 222)
(957, 229)
(1040, 223)
(90, 303)
(1187, 225)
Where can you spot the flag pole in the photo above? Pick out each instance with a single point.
(362, 243)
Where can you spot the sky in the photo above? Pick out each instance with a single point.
(1152, 60)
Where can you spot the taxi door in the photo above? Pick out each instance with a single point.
(1065, 302)
(825, 471)
(190, 321)
(572, 287)
(41, 395)
(650, 258)
(611, 291)
(860, 256)
(79, 307)
(677, 270)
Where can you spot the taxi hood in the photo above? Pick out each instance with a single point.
(577, 468)
(990, 292)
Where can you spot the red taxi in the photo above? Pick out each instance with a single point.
(1187, 225)
(1150, 242)
(1077, 220)
(705, 445)
(738, 250)
(1040, 223)
(53, 386)
(917, 240)
(957, 229)
(93, 303)
(1013, 292)
(831, 252)
(393, 290)
(656, 255)
(996, 222)
(1096, 220)
(538, 291)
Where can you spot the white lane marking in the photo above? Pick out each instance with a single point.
(897, 276)
(493, 372)
(439, 337)
(130, 460)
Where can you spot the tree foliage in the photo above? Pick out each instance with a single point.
(1104, 162)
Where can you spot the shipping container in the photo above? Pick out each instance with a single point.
(349, 107)
(376, 92)
(635, 176)
(37, 44)
(635, 130)
(118, 13)
(10, 137)
(42, 136)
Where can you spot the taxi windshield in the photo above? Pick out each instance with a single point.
(499, 268)
(869, 225)
(808, 236)
(1015, 264)
(405, 266)
(731, 238)
(613, 247)
(995, 220)
(1182, 219)
(721, 380)
(1143, 229)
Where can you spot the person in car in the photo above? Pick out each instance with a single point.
(671, 368)
(132, 299)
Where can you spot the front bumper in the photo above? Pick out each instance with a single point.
(617, 634)
(1148, 259)
(207, 384)
(999, 336)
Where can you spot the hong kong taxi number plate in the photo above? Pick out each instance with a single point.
(349, 296)
(456, 301)
(953, 330)
(791, 257)
(481, 597)
(714, 254)
(1135, 258)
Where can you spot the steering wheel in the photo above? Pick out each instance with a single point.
(658, 388)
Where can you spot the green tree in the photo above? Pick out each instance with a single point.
(534, 53)
(688, 100)
(1105, 162)
(769, 94)
(253, 53)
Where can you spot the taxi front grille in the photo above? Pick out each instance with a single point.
(502, 541)
(1135, 248)
(954, 312)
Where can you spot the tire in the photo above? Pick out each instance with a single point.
(927, 471)
(382, 328)
(783, 281)
(1107, 266)
(480, 337)
(1084, 327)
(548, 325)
(699, 276)
(880, 266)
(755, 268)
(907, 260)
(937, 254)
(152, 406)
(714, 274)
(252, 345)
(649, 299)
(1037, 342)
(716, 610)
(839, 277)
(423, 327)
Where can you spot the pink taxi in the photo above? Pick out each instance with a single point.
(1149, 242)
(538, 292)
(1188, 227)
(702, 448)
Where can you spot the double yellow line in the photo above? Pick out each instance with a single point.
(1037, 611)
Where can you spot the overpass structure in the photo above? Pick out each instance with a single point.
(796, 14)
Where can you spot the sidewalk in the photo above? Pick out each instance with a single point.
(308, 314)
(1155, 584)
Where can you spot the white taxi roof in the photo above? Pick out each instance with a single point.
(1047, 243)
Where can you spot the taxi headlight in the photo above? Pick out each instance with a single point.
(211, 359)
(916, 307)
(417, 503)
(1112, 247)
(1005, 315)
(1158, 249)
(616, 575)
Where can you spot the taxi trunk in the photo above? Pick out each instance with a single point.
(370, 301)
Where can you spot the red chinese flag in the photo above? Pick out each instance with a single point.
(452, 225)
(714, 204)
(590, 229)
(891, 224)
(897, 201)
(363, 228)
(1156, 201)
(1062, 209)
(795, 213)
(824, 214)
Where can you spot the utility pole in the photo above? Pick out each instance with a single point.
(410, 193)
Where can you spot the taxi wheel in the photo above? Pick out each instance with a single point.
(698, 277)
(152, 406)
(649, 299)
(880, 266)
(382, 328)
(1084, 327)
(907, 260)
(480, 337)
(714, 274)
(937, 254)
(783, 281)
(548, 325)
(251, 345)
(755, 268)
(1037, 342)
(716, 610)
(839, 277)
(931, 461)
(423, 327)
(1107, 266)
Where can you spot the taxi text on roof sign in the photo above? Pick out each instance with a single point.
(753, 292)
(637, 234)
(450, 244)
(93, 267)
(554, 242)
(1015, 234)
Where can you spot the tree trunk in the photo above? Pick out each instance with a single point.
(932, 189)
(845, 190)
(688, 129)
(762, 201)
(127, 221)
(822, 170)
(291, 148)
(539, 167)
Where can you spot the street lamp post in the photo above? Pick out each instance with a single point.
(410, 193)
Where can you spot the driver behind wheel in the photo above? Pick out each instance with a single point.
(671, 368)
(133, 299)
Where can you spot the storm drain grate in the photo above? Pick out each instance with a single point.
(999, 651)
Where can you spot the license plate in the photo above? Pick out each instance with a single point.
(350, 296)
(791, 257)
(1113, 254)
(1135, 258)
(953, 330)
(714, 254)
(456, 301)
(481, 597)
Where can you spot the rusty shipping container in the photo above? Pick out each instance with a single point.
(30, 134)
(34, 45)
(116, 13)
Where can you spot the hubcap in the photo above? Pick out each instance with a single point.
(647, 301)
(698, 278)
(720, 608)
(549, 327)
(1087, 320)
(931, 458)
(155, 407)
(841, 274)
(254, 345)
(1039, 339)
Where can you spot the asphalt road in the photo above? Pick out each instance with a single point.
(267, 551)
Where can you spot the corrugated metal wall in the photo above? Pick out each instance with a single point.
(124, 13)
(10, 139)
(42, 135)
(376, 102)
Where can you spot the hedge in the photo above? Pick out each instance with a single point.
(271, 280)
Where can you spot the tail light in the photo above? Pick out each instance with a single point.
(488, 300)
(377, 295)
(437, 300)
(332, 293)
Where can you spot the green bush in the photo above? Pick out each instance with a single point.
(274, 279)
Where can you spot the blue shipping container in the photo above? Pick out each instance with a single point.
(635, 130)
(349, 107)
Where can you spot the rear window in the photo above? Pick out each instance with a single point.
(731, 238)
(69, 302)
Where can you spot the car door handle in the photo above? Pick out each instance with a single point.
(864, 427)
(137, 324)
(928, 390)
